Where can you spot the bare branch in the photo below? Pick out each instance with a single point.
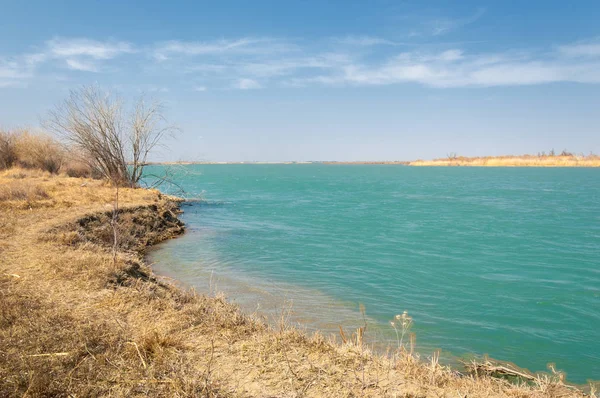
(115, 141)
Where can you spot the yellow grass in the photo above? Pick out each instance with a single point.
(514, 161)
(40, 151)
(82, 317)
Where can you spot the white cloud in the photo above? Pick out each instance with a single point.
(14, 71)
(248, 46)
(582, 49)
(451, 55)
(365, 41)
(9, 70)
(205, 68)
(74, 54)
(251, 63)
(246, 84)
(440, 26)
(68, 48)
(455, 68)
(81, 65)
(287, 66)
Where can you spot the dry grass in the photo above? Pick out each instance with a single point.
(79, 319)
(569, 160)
(22, 191)
(39, 151)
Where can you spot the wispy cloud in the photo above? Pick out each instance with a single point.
(14, 71)
(454, 68)
(75, 64)
(252, 63)
(10, 70)
(68, 48)
(287, 66)
(248, 45)
(366, 41)
(443, 25)
(582, 49)
(247, 84)
(73, 54)
(84, 54)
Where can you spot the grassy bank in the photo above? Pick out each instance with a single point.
(83, 316)
(514, 161)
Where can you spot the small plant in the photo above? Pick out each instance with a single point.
(401, 324)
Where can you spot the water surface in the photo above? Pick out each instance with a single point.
(498, 261)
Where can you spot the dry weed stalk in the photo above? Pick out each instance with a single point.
(114, 224)
(404, 321)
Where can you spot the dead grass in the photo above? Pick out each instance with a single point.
(569, 160)
(39, 151)
(42, 152)
(22, 191)
(77, 319)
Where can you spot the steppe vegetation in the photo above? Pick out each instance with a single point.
(550, 159)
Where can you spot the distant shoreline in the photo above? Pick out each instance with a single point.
(569, 160)
(515, 161)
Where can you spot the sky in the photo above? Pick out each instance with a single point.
(319, 80)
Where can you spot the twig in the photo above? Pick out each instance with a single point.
(342, 335)
(114, 224)
(139, 353)
(53, 354)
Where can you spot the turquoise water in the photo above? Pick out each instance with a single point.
(498, 261)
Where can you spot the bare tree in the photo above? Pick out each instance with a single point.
(115, 140)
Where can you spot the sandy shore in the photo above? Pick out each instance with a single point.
(514, 161)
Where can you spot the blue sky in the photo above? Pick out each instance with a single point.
(315, 80)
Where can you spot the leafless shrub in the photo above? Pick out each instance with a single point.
(78, 168)
(116, 140)
(8, 155)
(39, 151)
